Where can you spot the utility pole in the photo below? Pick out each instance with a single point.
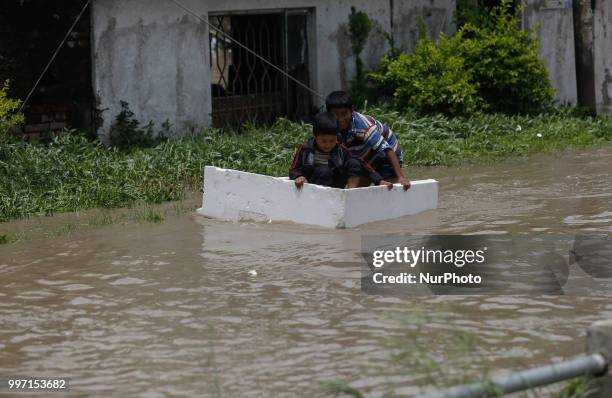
(583, 40)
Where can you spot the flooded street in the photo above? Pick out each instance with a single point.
(172, 309)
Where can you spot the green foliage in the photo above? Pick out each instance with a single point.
(340, 388)
(149, 215)
(479, 14)
(72, 173)
(8, 106)
(433, 79)
(577, 388)
(360, 26)
(493, 66)
(440, 140)
(126, 132)
(504, 62)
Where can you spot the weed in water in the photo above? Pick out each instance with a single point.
(146, 214)
(180, 209)
(65, 229)
(338, 388)
(102, 217)
(577, 388)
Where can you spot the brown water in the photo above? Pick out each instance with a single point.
(170, 309)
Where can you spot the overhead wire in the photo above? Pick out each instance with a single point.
(182, 6)
(57, 50)
(230, 38)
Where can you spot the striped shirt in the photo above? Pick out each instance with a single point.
(369, 139)
(321, 158)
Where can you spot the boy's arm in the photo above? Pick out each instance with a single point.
(372, 174)
(378, 143)
(398, 169)
(295, 170)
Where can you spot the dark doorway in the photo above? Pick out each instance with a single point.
(31, 31)
(247, 89)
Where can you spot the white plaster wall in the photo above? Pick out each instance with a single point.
(437, 15)
(153, 56)
(602, 55)
(553, 24)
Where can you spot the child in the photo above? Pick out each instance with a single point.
(322, 160)
(367, 139)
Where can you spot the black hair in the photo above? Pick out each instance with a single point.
(338, 99)
(325, 123)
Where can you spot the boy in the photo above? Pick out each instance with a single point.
(367, 139)
(322, 160)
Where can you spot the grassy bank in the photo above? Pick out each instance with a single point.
(72, 173)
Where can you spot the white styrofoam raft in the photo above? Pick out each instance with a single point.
(240, 196)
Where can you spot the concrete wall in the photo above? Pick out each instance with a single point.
(602, 55)
(553, 22)
(150, 54)
(155, 56)
(437, 15)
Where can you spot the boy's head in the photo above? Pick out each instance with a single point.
(325, 130)
(341, 104)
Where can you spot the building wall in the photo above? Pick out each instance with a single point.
(553, 22)
(149, 54)
(602, 55)
(155, 56)
(437, 15)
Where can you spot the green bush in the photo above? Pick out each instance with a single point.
(477, 14)
(505, 64)
(433, 79)
(490, 67)
(8, 106)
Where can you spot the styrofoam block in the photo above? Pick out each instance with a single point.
(240, 196)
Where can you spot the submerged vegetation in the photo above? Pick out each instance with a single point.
(72, 173)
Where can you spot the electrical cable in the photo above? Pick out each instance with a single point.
(23, 104)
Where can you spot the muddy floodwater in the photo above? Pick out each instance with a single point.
(197, 307)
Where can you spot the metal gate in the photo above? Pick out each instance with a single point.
(246, 89)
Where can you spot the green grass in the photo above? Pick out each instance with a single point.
(100, 218)
(72, 173)
(148, 215)
(65, 229)
(439, 140)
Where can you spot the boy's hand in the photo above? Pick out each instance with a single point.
(405, 182)
(387, 183)
(300, 181)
